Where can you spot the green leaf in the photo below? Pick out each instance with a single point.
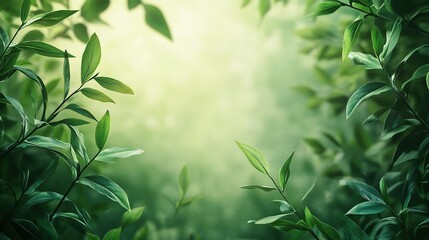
(315, 145)
(1, 129)
(77, 142)
(245, 3)
(427, 80)
(48, 171)
(255, 157)
(113, 234)
(382, 224)
(392, 37)
(285, 172)
(92, 9)
(420, 72)
(113, 85)
(325, 8)
(366, 91)
(308, 217)
(91, 236)
(107, 188)
(46, 227)
(43, 197)
(26, 229)
(353, 229)
(287, 225)
(66, 74)
(309, 190)
(383, 190)
(187, 201)
(364, 190)
(133, 216)
(368, 208)
(351, 35)
(264, 7)
(69, 122)
(49, 19)
(423, 224)
(184, 181)
(42, 48)
(81, 32)
(408, 189)
(18, 107)
(25, 9)
(72, 218)
(329, 232)
(79, 110)
(91, 58)
(365, 60)
(110, 155)
(155, 19)
(268, 220)
(377, 40)
(263, 188)
(96, 95)
(133, 4)
(46, 142)
(285, 207)
(102, 130)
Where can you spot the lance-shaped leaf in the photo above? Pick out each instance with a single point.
(102, 130)
(43, 49)
(25, 9)
(77, 142)
(263, 188)
(111, 155)
(113, 234)
(329, 232)
(351, 35)
(353, 229)
(50, 18)
(108, 188)
(81, 32)
(383, 190)
(79, 110)
(184, 181)
(91, 58)
(368, 208)
(255, 157)
(420, 72)
(66, 74)
(365, 60)
(268, 220)
(46, 142)
(26, 229)
(48, 171)
(156, 20)
(264, 7)
(43, 197)
(366, 91)
(133, 3)
(377, 40)
(70, 122)
(96, 95)
(309, 190)
(71, 218)
(113, 85)
(364, 190)
(18, 107)
(392, 37)
(287, 225)
(326, 7)
(285, 172)
(285, 207)
(133, 216)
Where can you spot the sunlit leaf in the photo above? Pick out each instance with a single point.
(111, 155)
(184, 180)
(50, 18)
(383, 190)
(108, 188)
(43, 49)
(285, 207)
(91, 58)
(82, 111)
(368, 208)
(326, 7)
(46, 142)
(268, 220)
(263, 188)
(102, 130)
(255, 157)
(366, 91)
(392, 37)
(96, 95)
(113, 85)
(364, 190)
(351, 35)
(155, 19)
(285, 172)
(133, 216)
(365, 60)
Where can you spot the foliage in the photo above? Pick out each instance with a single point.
(385, 160)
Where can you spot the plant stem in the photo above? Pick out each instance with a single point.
(403, 225)
(71, 186)
(10, 41)
(310, 230)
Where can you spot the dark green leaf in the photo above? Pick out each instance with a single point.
(108, 188)
(315, 145)
(351, 35)
(368, 208)
(286, 226)
(353, 229)
(326, 7)
(43, 197)
(364, 190)
(113, 85)
(423, 224)
(382, 224)
(365, 60)
(46, 227)
(133, 216)
(18, 107)
(255, 157)
(72, 218)
(392, 37)
(69, 122)
(25, 9)
(383, 190)
(50, 18)
(264, 7)
(377, 40)
(81, 32)
(268, 220)
(91, 58)
(26, 229)
(184, 181)
(263, 188)
(4, 39)
(82, 111)
(77, 142)
(46, 142)
(408, 189)
(114, 234)
(91, 236)
(66, 74)
(285, 172)
(133, 4)
(110, 155)
(329, 232)
(427, 80)
(96, 95)
(46, 174)
(366, 91)
(102, 130)
(1, 128)
(43, 49)
(155, 19)
(375, 116)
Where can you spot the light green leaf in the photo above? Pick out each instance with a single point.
(268, 220)
(92, 9)
(365, 60)
(187, 201)
(184, 180)
(368, 208)
(263, 188)
(245, 3)
(364, 190)
(108, 188)
(366, 91)
(102, 130)
(43, 49)
(133, 4)
(114, 234)
(264, 7)
(255, 157)
(113, 85)
(377, 40)
(110, 155)
(96, 95)
(82, 111)
(351, 35)
(309, 190)
(91, 58)
(308, 217)
(285, 207)
(81, 32)
(133, 216)
(285, 172)
(49, 19)
(155, 19)
(392, 37)
(25, 9)
(46, 142)
(326, 7)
